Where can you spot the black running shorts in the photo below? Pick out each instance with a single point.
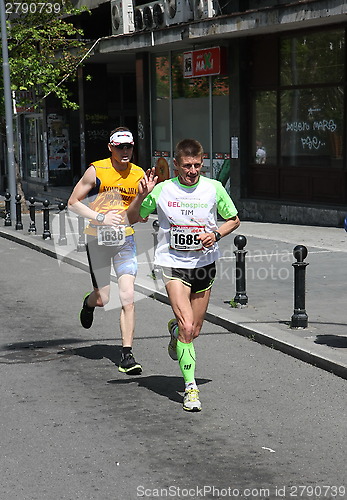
(199, 279)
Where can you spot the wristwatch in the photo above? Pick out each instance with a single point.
(100, 218)
(217, 235)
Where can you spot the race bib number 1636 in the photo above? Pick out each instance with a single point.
(111, 235)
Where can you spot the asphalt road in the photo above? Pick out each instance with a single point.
(73, 427)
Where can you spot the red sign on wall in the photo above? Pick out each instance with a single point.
(204, 62)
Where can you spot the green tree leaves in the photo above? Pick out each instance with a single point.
(45, 49)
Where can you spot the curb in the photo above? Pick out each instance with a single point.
(274, 338)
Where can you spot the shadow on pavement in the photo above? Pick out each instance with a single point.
(97, 351)
(164, 385)
(331, 340)
(39, 344)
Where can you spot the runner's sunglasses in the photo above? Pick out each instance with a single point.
(123, 146)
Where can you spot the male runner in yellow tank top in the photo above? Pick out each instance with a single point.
(108, 186)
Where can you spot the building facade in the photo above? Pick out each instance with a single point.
(261, 84)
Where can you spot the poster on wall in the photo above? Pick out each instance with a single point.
(58, 143)
(160, 162)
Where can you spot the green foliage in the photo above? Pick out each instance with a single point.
(233, 304)
(44, 49)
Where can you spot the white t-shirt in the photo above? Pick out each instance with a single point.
(183, 213)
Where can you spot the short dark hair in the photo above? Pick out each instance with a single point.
(188, 147)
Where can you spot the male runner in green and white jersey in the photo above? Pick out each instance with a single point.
(187, 248)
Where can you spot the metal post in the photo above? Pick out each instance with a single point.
(299, 318)
(62, 231)
(155, 225)
(8, 221)
(8, 110)
(240, 254)
(81, 245)
(46, 235)
(81, 118)
(32, 225)
(19, 224)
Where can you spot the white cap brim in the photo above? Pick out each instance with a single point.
(121, 137)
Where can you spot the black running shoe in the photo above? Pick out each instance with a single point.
(129, 366)
(87, 313)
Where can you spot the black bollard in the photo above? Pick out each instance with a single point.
(241, 296)
(46, 235)
(299, 318)
(81, 245)
(19, 224)
(32, 225)
(155, 226)
(8, 221)
(155, 271)
(62, 231)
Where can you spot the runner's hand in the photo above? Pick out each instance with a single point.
(148, 182)
(113, 218)
(207, 239)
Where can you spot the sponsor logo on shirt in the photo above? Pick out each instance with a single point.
(182, 204)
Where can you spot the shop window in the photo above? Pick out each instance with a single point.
(33, 147)
(312, 127)
(162, 77)
(220, 114)
(161, 105)
(264, 135)
(186, 87)
(312, 58)
(220, 130)
(298, 121)
(176, 104)
(190, 99)
(220, 86)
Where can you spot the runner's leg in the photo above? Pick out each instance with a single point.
(127, 315)
(199, 302)
(99, 297)
(179, 295)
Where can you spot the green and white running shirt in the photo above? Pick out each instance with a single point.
(183, 213)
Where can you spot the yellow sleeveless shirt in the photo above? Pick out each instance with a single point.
(114, 190)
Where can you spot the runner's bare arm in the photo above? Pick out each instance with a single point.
(208, 239)
(80, 192)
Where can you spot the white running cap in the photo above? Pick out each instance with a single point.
(122, 137)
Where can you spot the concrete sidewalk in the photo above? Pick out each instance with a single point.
(269, 283)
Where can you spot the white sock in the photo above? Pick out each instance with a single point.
(191, 385)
